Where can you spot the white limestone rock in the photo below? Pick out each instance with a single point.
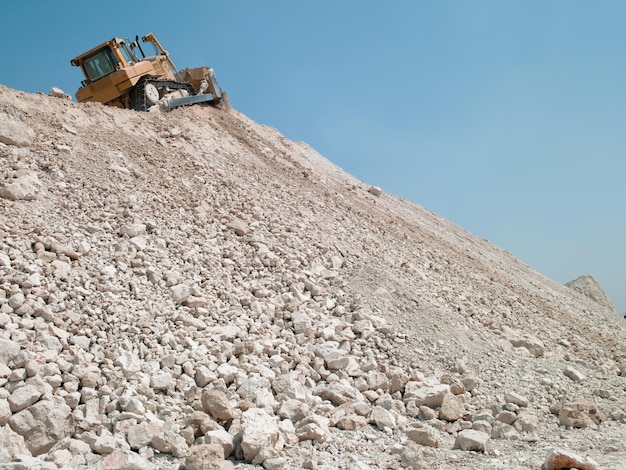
(351, 422)
(524, 340)
(259, 431)
(558, 459)
(574, 374)
(239, 227)
(140, 435)
(128, 362)
(26, 187)
(340, 392)
(23, 397)
(301, 323)
(221, 437)
(8, 350)
(170, 441)
(133, 230)
(313, 427)
(15, 132)
(162, 381)
(452, 408)
(516, 398)
(429, 395)
(56, 92)
(471, 440)
(180, 293)
(12, 442)
(425, 436)
(375, 191)
(43, 424)
(124, 459)
(215, 403)
(205, 456)
(383, 418)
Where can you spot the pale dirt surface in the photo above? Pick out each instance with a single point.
(453, 300)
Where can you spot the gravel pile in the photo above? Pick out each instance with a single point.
(193, 290)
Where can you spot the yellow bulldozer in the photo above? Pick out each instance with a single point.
(119, 73)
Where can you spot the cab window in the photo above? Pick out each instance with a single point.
(99, 65)
(128, 54)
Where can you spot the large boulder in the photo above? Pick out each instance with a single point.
(25, 187)
(14, 132)
(43, 424)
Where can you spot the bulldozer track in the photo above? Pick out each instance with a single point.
(138, 100)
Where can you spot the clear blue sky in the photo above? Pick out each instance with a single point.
(505, 117)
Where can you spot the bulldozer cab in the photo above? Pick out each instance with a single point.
(105, 59)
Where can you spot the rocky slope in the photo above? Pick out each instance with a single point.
(193, 289)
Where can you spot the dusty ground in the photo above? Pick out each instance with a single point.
(454, 304)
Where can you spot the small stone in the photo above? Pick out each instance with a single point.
(301, 323)
(351, 422)
(26, 187)
(204, 456)
(558, 459)
(259, 431)
(161, 380)
(133, 230)
(431, 396)
(293, 410)
(239, 227)
(313, 427)
(471, 440)
(574, 374)
(275, 463)
(123, 459)
(58, 93)
(215, 402)
(516, 398)
(24, 397)
(503, 431)
(416, 457)
(375, 191)
(527, 422)
(482, 426)
(128, 362)
(470, 383)
(383, 418)
(170, 442)
(340, 392)
(507, 417)
(524, 340)
(140, 435)
(425, 436)
(5, 411)
(452, 408)
(243, 347)
(426, 413)
(221, 437)
(204, 376)
(105, 444)
(180, 293)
